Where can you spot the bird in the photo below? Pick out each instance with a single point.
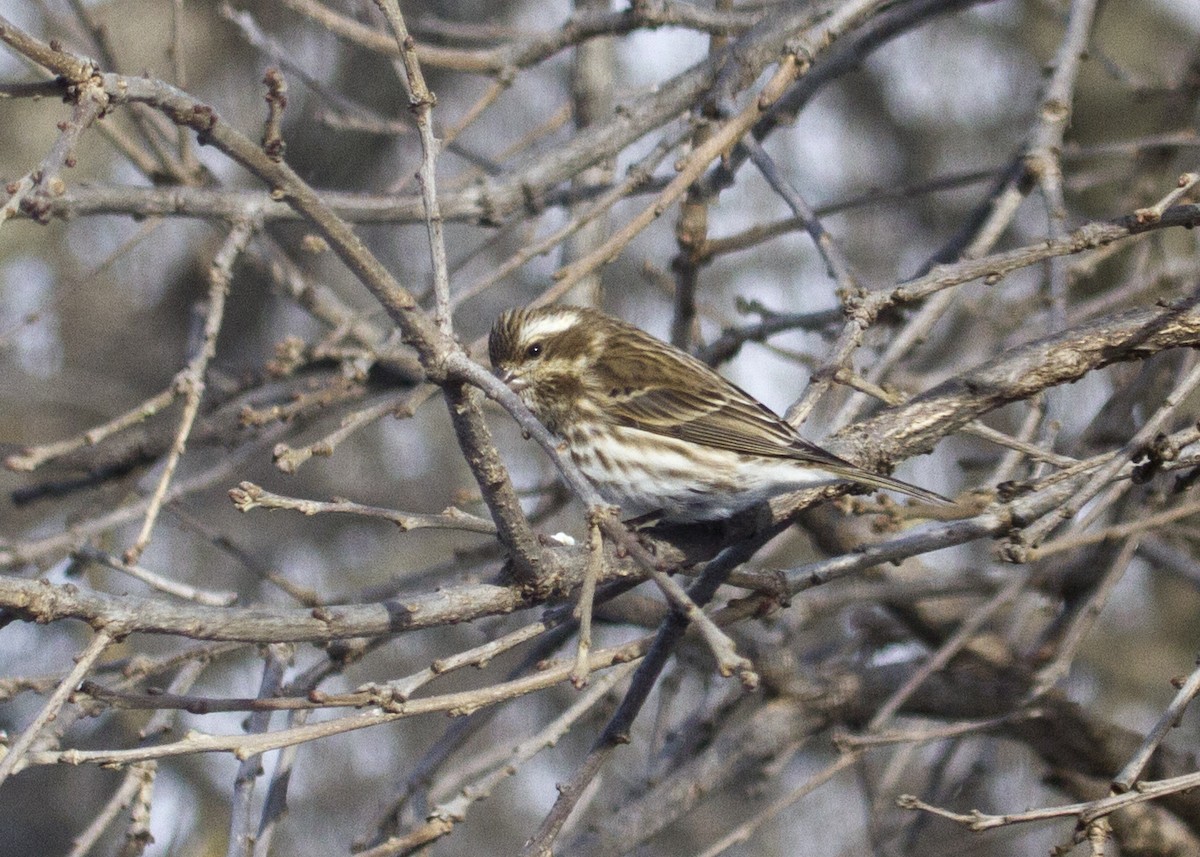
(658, 432)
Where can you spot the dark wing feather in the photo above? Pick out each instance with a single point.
(659, 389)
(709, 410)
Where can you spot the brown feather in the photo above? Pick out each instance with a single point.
(636, 368)
(633, 380)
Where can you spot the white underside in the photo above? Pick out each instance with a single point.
(686, 484)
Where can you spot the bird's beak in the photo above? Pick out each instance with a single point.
(512, 380)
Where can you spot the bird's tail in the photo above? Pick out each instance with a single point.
(876, 480)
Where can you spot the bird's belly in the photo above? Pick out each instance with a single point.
(643, 473)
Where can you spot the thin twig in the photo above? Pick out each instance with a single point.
(1183, 187)
(17, 553)
(947, 650)
(421, 102)
(1042, 160)
(247, 496)
(1128, 776)
(729, 662)
(288, 458)
(242, 829)
(275, 803)
(187, 156)
(35, 456)
(213, 598)
(638, 175)
(1086, 812)
(836, 263)
(31, 193)
(191, 381)
(134, 781)
(246, 745)
(616, 731)
(744, 830)
(442, 818)
(811, 44)
(1036, 532)
(587, 596)
(139, 779)
(402, 689)
(1085, 615)
(83, 663)
(1113, 533)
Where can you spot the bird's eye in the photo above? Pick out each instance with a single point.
(534, 350)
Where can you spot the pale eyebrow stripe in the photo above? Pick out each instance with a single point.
(549, 325)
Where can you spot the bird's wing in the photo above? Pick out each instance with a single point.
(670, 393)
(710, 411)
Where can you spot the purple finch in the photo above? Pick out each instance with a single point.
(653, 428)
